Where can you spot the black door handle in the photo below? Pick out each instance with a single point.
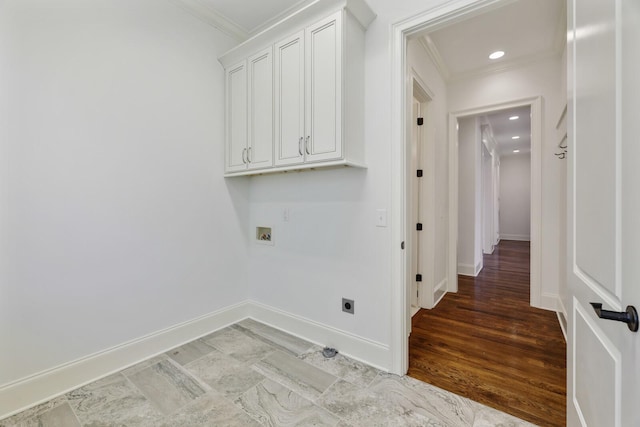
(630, 317)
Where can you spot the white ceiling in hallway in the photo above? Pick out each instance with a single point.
(525, 30)
(504, 130)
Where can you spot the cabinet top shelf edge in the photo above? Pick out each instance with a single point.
(317, 9)
(336, 164)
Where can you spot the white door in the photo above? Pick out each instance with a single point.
(260, 149)
(289, 100)
(236, 120)
(323, 138)
(603, 360)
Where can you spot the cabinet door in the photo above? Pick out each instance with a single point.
(260, 149)
(289, 100)
(323, 64)
(236, 121)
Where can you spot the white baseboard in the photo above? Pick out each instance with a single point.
(470, 270)
(440, 288)
(519, 237)
(549, 301)
(370, 352)
(41, 387)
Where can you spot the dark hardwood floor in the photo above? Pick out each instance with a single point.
(486, 343)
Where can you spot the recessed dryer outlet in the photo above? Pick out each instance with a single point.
(264, 235)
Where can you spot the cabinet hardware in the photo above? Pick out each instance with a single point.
(244, 154)
(300, 146)
(249, 155)
(418, 277)
(306, 145)
(419, 173)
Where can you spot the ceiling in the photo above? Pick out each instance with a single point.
(504, 130)
(526, 30)
(252, 16)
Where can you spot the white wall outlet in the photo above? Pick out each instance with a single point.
(381, 218)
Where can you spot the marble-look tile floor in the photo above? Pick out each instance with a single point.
(250, 374)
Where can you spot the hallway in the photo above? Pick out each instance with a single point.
(486, 343)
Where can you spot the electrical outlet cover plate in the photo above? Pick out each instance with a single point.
(347, 305)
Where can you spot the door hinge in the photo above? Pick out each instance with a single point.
(420, 121)
(419, 173)
(419, 226)
(418, 277)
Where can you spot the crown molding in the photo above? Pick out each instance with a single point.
(279, 17)
(432, 51)
(210, 16)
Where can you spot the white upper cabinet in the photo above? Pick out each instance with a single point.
(260, 121)
(249, 122)
(303, 100)
(236, 120)
(289, 100)
(323, 72)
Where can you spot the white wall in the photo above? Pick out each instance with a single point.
(542, 78)
(116, 221)
(488, 201)
(469, 196)
(515, 197)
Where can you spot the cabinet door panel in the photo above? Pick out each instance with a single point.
(260, 154)
(236, 123)
(324, 89)
(289, 99)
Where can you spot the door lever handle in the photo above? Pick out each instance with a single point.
(630, 316)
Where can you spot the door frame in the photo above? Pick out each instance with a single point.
(433, 18)
(424, 95)
(535, 103)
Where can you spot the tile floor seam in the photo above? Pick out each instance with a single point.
(189, 374)
(73, 411)
(147, 398)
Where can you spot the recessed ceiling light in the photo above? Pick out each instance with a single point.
(515, 137)
(514, 117)
(516, 151)
(497, 54)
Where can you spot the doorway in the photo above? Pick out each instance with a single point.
(402, 32)
(494, 184)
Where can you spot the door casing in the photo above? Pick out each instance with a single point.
(432, 18)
